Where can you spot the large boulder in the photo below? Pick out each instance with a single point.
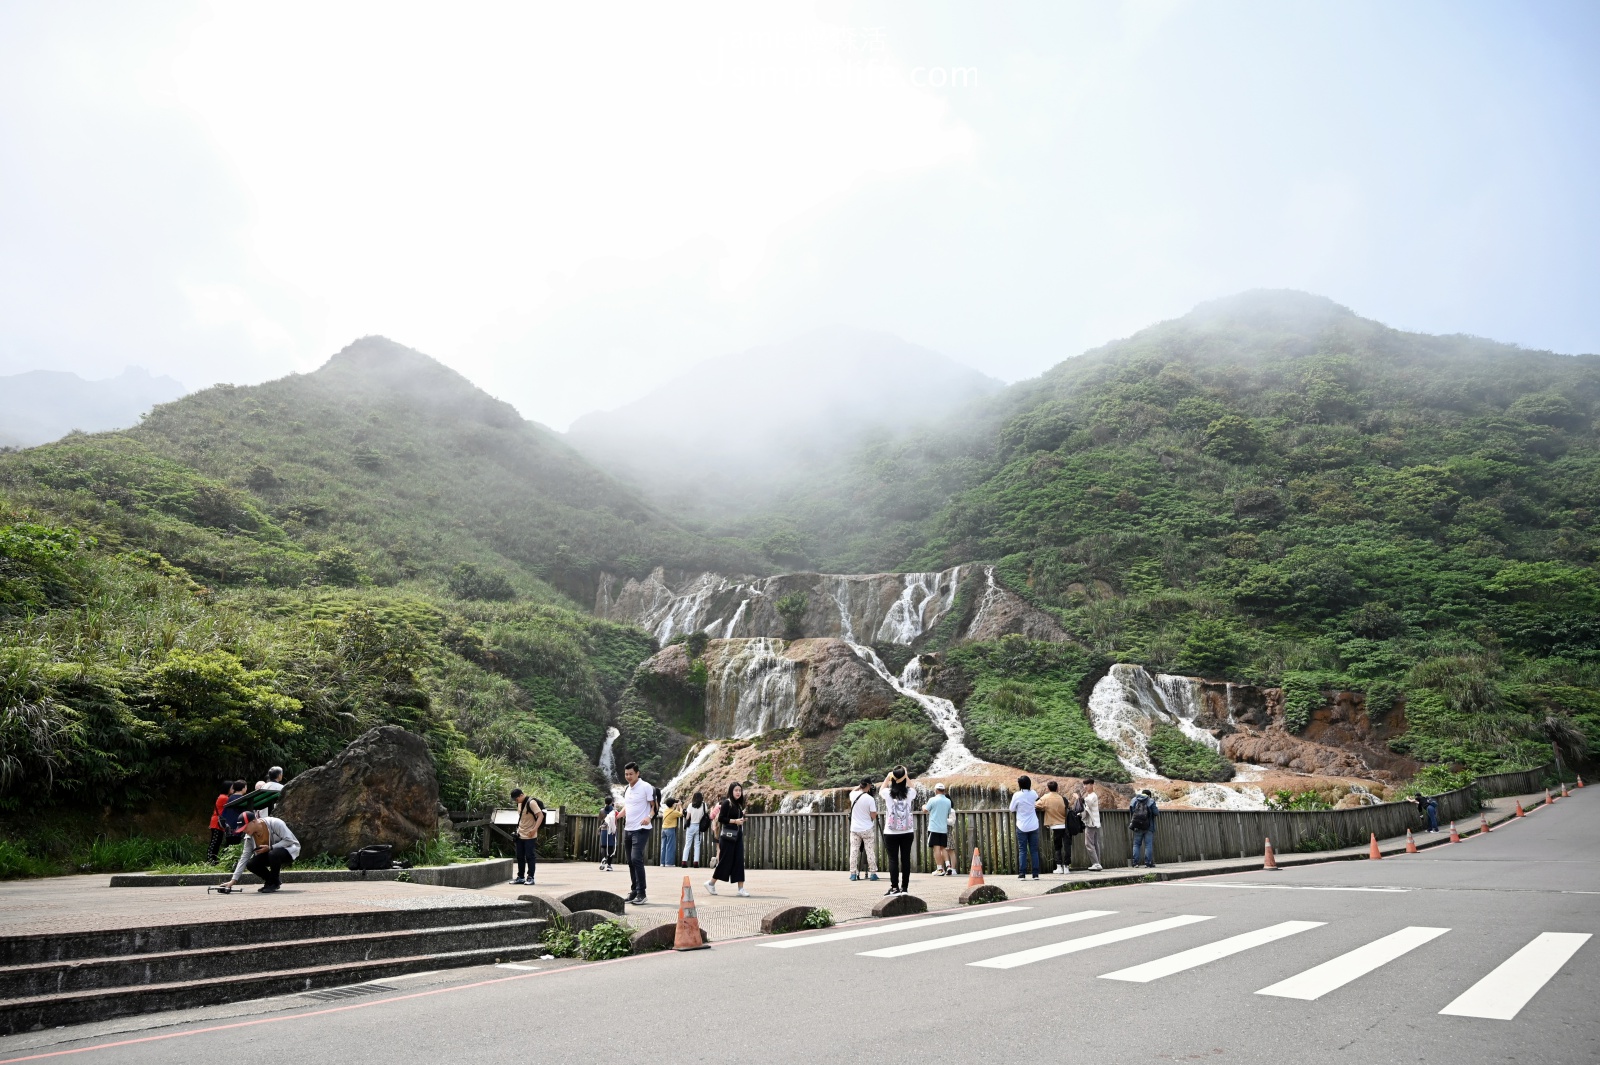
(380, 789)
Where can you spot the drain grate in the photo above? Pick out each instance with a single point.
(354, 991)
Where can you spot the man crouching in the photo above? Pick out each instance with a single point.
(268, 847)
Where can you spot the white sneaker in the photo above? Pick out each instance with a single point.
(711, 886)
(1095, 868)
(743, 894)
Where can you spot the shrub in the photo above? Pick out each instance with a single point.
(560, 940)
(792, 609)
(818, 917)
(872, 748)
(606, 940)
(1283, 799)
(1178, 756)
(1302, 693)
(470, 582)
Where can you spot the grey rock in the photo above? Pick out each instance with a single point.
(380, 789)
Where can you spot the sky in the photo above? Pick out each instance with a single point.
(571, 204)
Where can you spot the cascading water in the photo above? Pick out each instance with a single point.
(953, 756)
(841, 596)
(905, 620)
(1127, 704)
(733, 623)
(608, 762)
(991, 593)
(1222, 797)
(697, 757)
(751, 690)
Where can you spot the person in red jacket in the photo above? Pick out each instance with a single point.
(219, 832)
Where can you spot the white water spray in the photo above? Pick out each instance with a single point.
(697, 757)
(953, 756)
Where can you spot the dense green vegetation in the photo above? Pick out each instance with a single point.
(872, 748)
(1274, 490)
(1020, 703)
(257, 575)
(1181, 758)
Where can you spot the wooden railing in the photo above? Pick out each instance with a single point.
(821, 841)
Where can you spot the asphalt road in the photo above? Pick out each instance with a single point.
(1478, 952)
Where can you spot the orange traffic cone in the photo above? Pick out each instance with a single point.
(1411, 844)
(1564, 792)
(1373, 852)
(1580, 782)
(1483, 823)
(1455, 837)
(688, 936)
(1519, 809)
(975, 877)
(1269, 860)
(1547, 799)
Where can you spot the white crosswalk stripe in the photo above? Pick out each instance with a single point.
(1501, 995)
(894, 926)
(1334, 974)
(1072, 946)
(1210, 952)
(983, 933)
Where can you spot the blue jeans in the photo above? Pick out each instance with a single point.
(1145, 840)
(1433, 818)
(608, 841)
(669, 846)
(1027, 843)
(637, 840)
(527, 857)
(691, 845)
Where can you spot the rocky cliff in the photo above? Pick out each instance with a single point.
(905, 609)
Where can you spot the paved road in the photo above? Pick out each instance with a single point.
(1479, 952)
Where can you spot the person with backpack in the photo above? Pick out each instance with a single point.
(863, 815)
(1025, 805)
(939, 831)
(268, 847)
(1091, 822)
(699, 822)
(1433, 813)
(729, 824)
(1052, 808)
(530, 817)
(670, 817)
(608, 835)
(220, 826)
(898, 829)
(1142, 822)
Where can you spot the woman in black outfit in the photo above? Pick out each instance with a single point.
(729, 830)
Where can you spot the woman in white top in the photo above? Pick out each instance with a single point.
(898, 829)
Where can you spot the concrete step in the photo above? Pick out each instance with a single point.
(211, 963)
(76, 1007)
(239, 929)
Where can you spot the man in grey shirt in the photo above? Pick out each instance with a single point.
(268, 847)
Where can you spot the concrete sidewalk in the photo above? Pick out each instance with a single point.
(76, 903)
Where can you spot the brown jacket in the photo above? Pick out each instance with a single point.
(1053, 809)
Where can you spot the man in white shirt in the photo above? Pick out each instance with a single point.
(1025, 805)
(274, 781)
(863, 814)
(638, 813)
(1091, 823)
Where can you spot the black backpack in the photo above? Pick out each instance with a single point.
(377, 856)
(1139, 814)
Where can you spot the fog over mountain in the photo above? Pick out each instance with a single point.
(738, 426)
(44, 405)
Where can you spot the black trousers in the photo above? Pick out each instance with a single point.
(1062, 840)
(268, 864)
(898, 844)
(527, 857)
(215, 848)
(636, 844)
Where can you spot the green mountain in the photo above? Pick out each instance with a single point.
(256, 575)
(1273, 489)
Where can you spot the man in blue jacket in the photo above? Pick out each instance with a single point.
(1142, 820)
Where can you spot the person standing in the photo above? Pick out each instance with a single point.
(729, 825)
(898, 829)
(530, 818)
(699, 822)
(1433, 813)
(268, 847)
(638, 812)
(939, 831)
(670, 817)
(1025, 805)
(1052, 808)
(608, 835)
(1091, 823)
(1142, 822)
(274, 781)
(863, 815)
(219, 830)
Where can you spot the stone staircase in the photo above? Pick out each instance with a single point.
(57, 979)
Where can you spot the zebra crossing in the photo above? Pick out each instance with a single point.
(1498, 995)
